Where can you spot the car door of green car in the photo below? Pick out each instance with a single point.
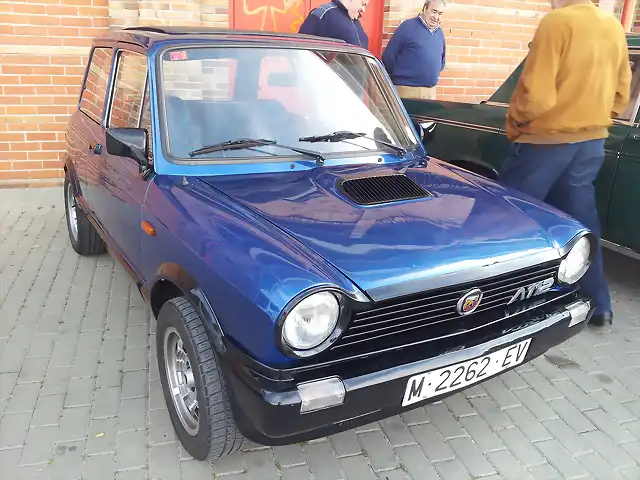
(623, 219)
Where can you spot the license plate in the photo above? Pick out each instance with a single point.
(461, 375)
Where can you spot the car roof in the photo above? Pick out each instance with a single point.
(148, 35)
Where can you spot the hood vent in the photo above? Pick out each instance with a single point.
(382, 189)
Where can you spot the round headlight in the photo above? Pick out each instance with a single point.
(311, 321)
(576, 263)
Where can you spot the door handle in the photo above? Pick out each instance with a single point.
(635, 136)
(95, 149)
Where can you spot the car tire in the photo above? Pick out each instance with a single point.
(213, 433)
(84, 238)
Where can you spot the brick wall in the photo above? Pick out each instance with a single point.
(486, 39)
(43, 47)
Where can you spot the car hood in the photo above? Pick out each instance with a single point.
(462, 232)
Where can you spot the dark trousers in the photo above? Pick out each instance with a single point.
(562, 176)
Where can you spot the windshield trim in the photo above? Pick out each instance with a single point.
(409, 140)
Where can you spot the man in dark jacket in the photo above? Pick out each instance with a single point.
(339, 19)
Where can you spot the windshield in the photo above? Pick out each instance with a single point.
(220, 94)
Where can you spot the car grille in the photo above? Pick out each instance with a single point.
(431, 316)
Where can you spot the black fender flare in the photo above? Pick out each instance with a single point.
(172, 280)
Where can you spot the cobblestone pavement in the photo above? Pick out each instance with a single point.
(80, 396)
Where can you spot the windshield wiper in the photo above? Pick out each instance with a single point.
(241, 143)
(346, 135)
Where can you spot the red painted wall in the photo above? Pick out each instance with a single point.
(288, 15)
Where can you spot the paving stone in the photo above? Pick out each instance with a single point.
(560, 458)
(607, 448)
(471, 456)
(164, 463)
(414, 461)
(131, 450)
(508, 466)
(481, 433)
(194, 470)
(289, 455)
(48, 410)
(357, 467)
(99, 467)
(432, 443)
(39, 445)
(106, 402)
(132, 414)
(571, 415)
(378, 450)
(323, 464)
(521, 447)
(33, 370)
(74, 424)
(23, 398)
(101, 437)
(452, 470)
(440, 416)
(13, 429)
(397, 431)
(56, 381)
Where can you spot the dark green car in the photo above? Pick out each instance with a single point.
(473, 136)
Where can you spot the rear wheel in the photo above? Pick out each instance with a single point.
(193, 384)
(85, 240)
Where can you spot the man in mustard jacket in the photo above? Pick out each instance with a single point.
(575, 78)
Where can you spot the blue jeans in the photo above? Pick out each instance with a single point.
(562, 176)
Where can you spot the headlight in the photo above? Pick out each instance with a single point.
(576, 263)
(311, 321)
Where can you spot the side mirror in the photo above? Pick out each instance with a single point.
(426, 130)
(129, 142)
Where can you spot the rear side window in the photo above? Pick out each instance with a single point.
(126, 107)
(95, 88)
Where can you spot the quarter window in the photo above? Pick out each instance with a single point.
(95, 88)
(129, 90)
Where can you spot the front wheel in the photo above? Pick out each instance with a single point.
(193, 384)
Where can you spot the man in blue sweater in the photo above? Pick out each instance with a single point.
(415, 55)
(339, 19)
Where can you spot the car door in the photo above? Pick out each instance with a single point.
(623, 223)
(86, 132)
(120, 195)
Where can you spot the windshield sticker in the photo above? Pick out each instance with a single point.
(178, 55)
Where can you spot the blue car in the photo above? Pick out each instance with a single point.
(310, 268)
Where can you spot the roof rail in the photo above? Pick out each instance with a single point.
(220, 31)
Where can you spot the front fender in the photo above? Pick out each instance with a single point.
(221, 254)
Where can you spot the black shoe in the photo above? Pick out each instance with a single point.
(601, 320)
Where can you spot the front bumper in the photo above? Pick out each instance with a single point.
(270, 415)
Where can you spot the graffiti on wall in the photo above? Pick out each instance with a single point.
(272, 15)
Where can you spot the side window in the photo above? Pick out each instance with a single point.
(95, 88)
(126, 106)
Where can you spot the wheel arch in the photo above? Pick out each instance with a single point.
(173, 280)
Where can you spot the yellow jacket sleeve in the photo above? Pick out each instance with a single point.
(536, 92)
(623, 90)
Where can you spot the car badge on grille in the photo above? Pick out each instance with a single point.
(469, 302)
